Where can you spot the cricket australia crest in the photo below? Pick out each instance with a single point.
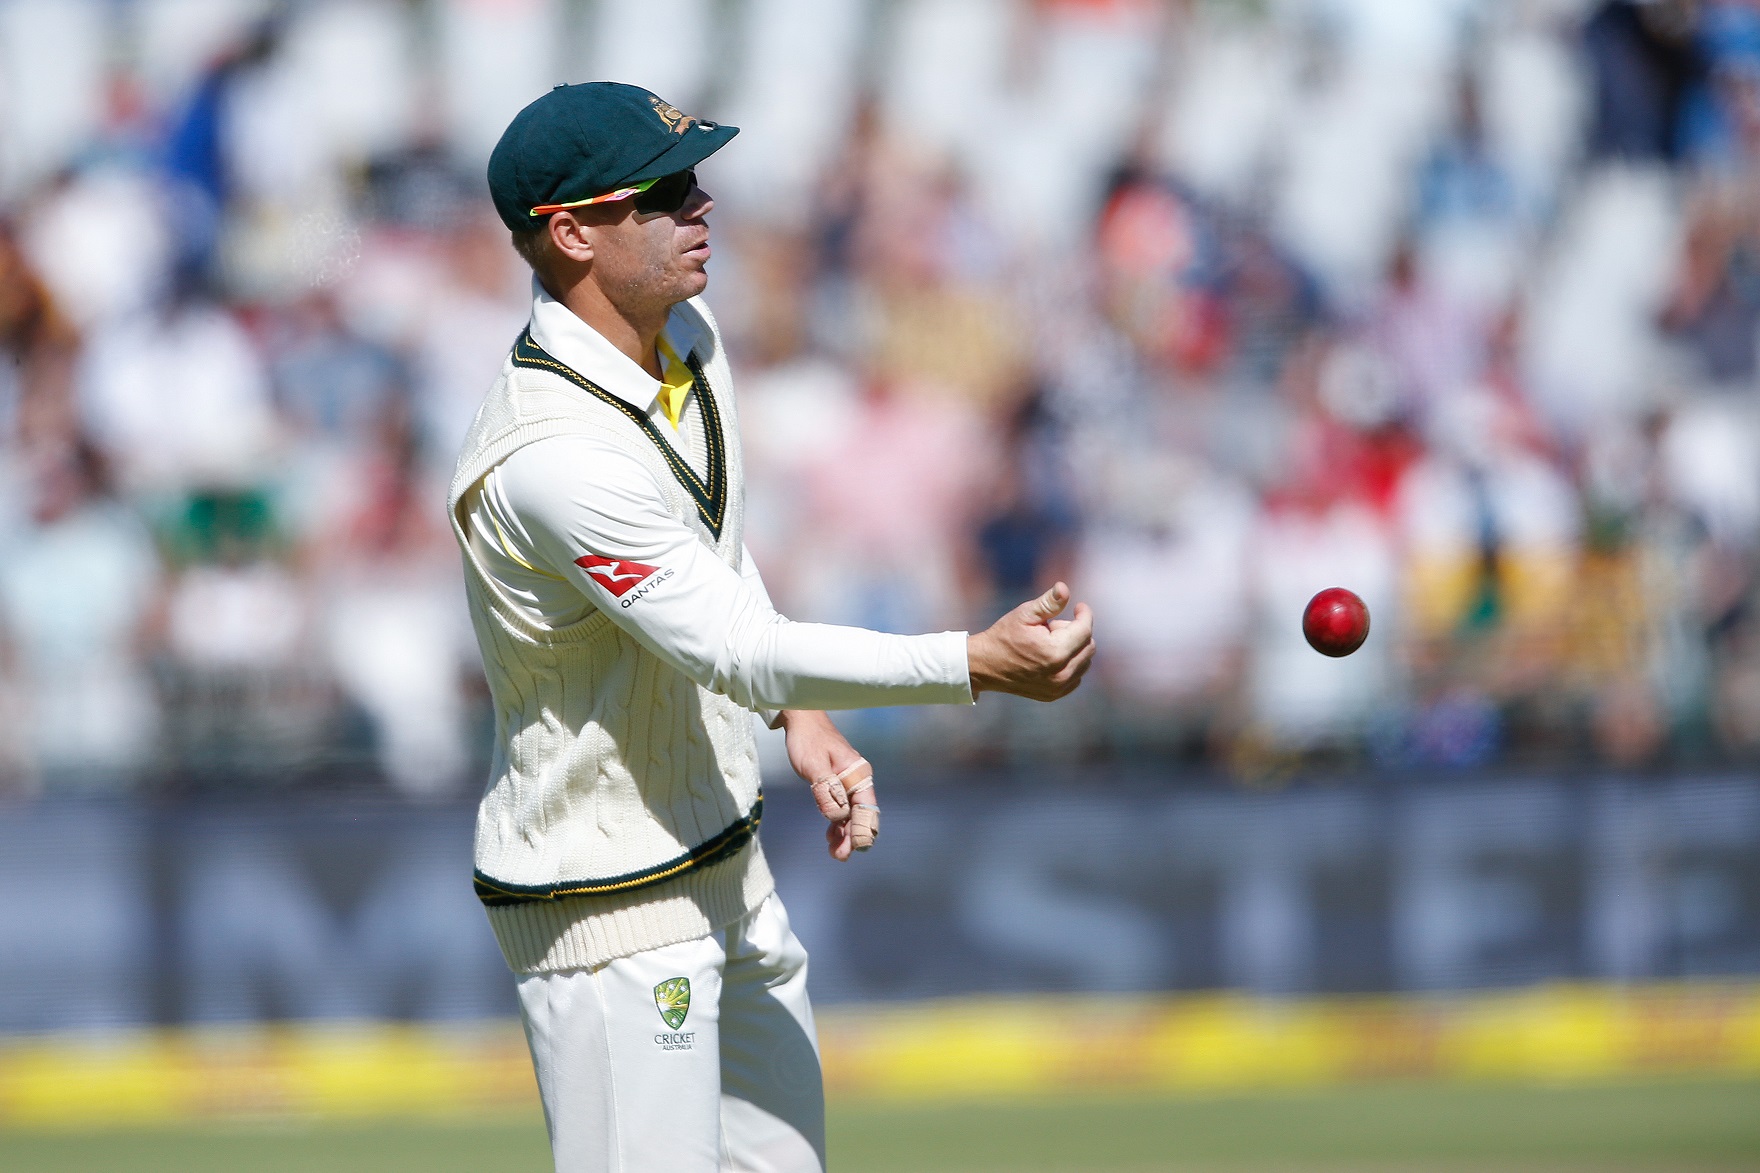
(676, 120)
(673, 997)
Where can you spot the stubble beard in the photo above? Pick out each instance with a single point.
(658, 284)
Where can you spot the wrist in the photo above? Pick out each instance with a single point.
(977, 663)
(790, 720)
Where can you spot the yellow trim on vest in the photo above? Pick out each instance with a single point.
(676, 385)
(507, 547)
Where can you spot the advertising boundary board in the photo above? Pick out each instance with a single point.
(340, 907)
(940, 1051)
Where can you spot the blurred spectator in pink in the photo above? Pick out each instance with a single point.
(890, 508)
(1159, 264)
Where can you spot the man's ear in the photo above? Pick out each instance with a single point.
(569, 237)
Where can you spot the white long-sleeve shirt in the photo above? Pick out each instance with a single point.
(570, 523)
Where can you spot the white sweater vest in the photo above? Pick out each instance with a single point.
(623, 802)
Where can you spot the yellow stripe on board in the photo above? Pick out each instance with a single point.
(997, 1047)
(334, 1071)
(959, 1048)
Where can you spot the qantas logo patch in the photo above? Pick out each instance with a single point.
(617, 577)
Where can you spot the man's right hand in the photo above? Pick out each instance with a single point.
(1032, 653)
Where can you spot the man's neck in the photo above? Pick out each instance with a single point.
(633, 335)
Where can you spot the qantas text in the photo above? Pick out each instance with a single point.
(636, 595)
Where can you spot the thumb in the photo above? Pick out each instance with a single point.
(1043, 608)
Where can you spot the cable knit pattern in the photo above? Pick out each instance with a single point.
(608, 761)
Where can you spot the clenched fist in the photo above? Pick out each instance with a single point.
(1032, 653)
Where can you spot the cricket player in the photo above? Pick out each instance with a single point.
(627, 639)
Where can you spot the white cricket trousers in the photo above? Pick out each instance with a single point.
(731, 1082)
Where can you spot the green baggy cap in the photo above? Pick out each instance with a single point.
(580, 141)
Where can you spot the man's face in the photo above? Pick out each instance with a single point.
(649, 262)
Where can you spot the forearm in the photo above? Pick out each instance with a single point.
(920, 661)
(777, 664)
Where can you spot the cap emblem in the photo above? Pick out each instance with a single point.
(676, 120)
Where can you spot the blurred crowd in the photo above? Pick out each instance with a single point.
(1200, 306)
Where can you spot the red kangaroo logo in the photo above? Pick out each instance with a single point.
(614, 575)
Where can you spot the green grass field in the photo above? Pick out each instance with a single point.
(1672, 1126)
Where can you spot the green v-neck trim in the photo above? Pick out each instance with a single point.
(711, 495)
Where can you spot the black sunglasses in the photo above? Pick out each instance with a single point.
(666, 194)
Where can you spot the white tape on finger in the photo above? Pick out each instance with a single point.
(857, 777)
(864, 825)
(831, 796)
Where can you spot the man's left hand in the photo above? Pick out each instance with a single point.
(842, 782)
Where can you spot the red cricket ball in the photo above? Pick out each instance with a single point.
(1336, 622)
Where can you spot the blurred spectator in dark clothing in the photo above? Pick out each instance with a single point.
(195, 154)
(1272, 304)
(1021, 542)
(420, 187)
(1721, 121)
(1645, 61)
(1462, 177)
(1472, 222)
(1731, 609)
(1026, 540)
(1715, 305)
